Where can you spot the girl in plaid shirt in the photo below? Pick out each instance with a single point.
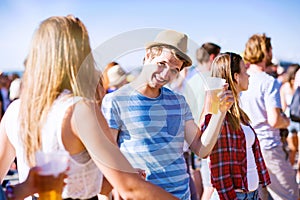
(236, 162)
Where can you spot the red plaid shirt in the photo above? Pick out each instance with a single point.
(229, 164)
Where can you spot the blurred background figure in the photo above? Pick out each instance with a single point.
(5, 82)
(262, 104)
(194, 86)
(277, 71)
(296, 85)
(272, 70)
(15, 89)
(195, 94)
(297, 79)
(287, 91)
(113, 77)
(4, 88)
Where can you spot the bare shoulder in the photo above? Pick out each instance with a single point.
(286, 88)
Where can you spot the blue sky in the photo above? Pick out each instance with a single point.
(227, 23)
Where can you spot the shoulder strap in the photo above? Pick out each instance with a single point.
(66, 105)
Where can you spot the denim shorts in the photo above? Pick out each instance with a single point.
(247, 196)
(293, 128)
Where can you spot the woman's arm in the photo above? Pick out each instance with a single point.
(91, 128)
(282, 97)
(7, 151)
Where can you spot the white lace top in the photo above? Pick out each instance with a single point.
(84, 178)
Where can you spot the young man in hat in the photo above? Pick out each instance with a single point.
(151, 122)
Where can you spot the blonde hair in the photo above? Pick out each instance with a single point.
(59, 58)
(257, 47)
(224, 66)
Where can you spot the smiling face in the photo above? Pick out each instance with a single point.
(165, 68)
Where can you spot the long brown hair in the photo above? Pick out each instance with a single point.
(59, 58)
(225, 66)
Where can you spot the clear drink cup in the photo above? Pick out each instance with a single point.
(52, 164)
(213, 87)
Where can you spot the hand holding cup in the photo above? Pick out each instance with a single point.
(218, 97)
(52, 167)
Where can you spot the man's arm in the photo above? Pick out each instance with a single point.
(202, 143)
(277, 119)
(282, 98)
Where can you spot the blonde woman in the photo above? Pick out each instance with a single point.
(236, 162)
(57, 110)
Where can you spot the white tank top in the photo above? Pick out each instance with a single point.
(252, 174)
(288, 99)
(84, 178)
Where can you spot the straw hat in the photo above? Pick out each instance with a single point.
(116, 75)
(174, 40)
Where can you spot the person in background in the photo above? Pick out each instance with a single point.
(191, 83)
(297, 79)
(4, 89)
(1, 106)
(105, 79)
(15, 89)
(236, 162)
(205, 56)
(114, 77)
(151, 122)
(262, 104)
(278, 72)
(287, 91)
(296, 85)
(58, 110)
(272, 70)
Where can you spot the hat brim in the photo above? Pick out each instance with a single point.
(179, 52)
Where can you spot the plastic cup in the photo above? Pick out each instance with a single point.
(52, 163)
(214, 86)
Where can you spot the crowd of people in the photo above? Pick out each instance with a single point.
(150, 136)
